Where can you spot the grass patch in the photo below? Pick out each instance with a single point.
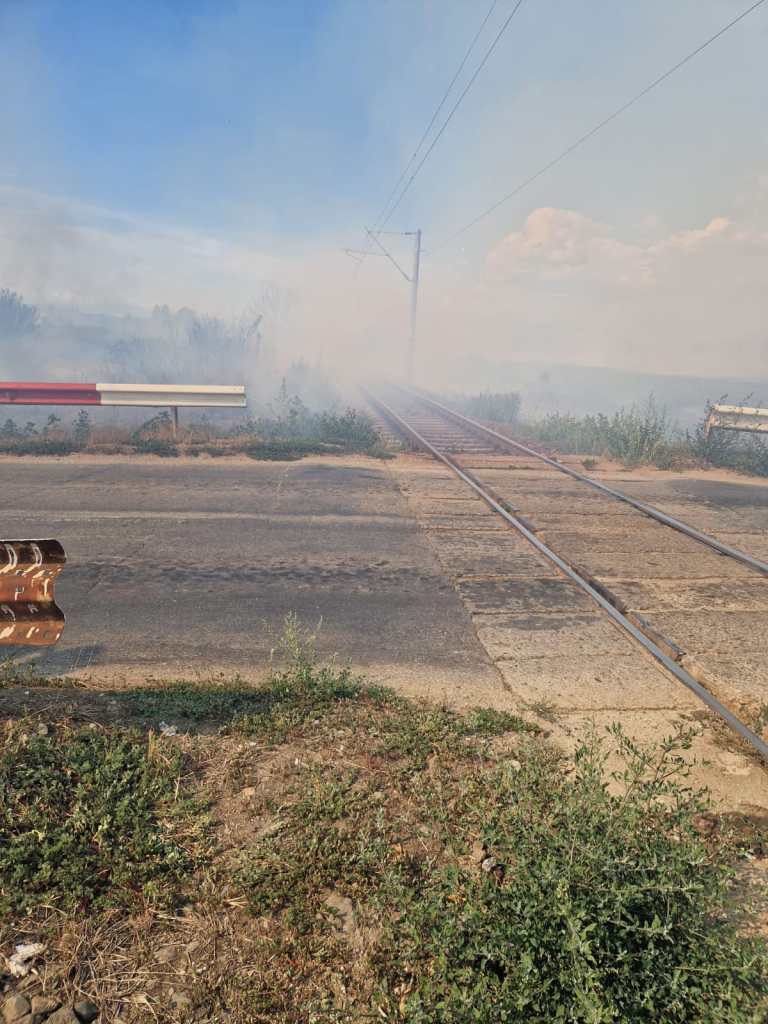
(156, 446)
(493, 407)
(13, 674)
(640, 434)
(381, 858)
(38, 446)
(84, 819)
(288, 451)
(645, 435)
(487, 887)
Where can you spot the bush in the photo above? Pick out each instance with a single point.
(37, 446)
(353, 429)
(633, 436)
(598, 907)
(729, 449)
(157, 446)
(495, 407)
(158, 426)
(79, 819)
(283, 451)
(82, 428)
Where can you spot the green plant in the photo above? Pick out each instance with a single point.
(80, 819)
(37, 446)
(82, 429)
(283, 451)
(587, 902)
(499, 407)
(728, 449)
(606, 906)
(352, 428)
(10, 429)
(158, 426)
(51, 424)
(157, 446)
(14, 674)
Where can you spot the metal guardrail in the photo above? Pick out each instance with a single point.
(29, 615)
(189, 395)
(174, 396)
(737, 417)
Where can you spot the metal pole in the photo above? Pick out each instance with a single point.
(414, 302)
(175, 421)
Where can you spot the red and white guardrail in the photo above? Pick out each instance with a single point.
(186, 395)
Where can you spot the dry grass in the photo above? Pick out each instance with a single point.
(338, 837)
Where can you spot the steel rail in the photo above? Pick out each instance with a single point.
(682, 676)
(641, 506)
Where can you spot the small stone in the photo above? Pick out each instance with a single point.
(42, 729)
(478, 852)
(44, 1005)
(166, 954)
(86, 1011)
(20, 961)
(180, 1002)
(66, 1015)
(343, 909)
(489, 864)
(14, 1008)
(514, 765)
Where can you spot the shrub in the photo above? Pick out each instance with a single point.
(352, 428)
(82, 428)
(496, 407)
(599, 907)
(729, 449)
(157, 446)
(80, 819)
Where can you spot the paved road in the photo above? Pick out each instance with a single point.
(178, 567)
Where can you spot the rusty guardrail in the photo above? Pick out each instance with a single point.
(29, 615)
(737, 417)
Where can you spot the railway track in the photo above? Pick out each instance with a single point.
(458, 442)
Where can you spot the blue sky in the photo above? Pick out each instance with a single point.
(281, 126)
(299, 114)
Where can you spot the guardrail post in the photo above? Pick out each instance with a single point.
(29, 615)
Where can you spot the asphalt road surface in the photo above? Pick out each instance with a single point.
(190, 567)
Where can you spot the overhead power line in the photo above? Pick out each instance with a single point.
(455, 107)
(593, 131)
(436, 113)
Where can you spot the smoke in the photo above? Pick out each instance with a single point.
(247, 146)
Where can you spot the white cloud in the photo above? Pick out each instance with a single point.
(564, 287)
(565, 244)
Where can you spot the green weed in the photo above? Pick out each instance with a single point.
(632, 436)
(80, 819)
(494, 407)
(591, 904)
(14, 674)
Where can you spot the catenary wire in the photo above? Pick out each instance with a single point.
(593, 131)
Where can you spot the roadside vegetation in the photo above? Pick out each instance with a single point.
(286, 430)
(638, 435)
(316, 849)
(491, 406)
